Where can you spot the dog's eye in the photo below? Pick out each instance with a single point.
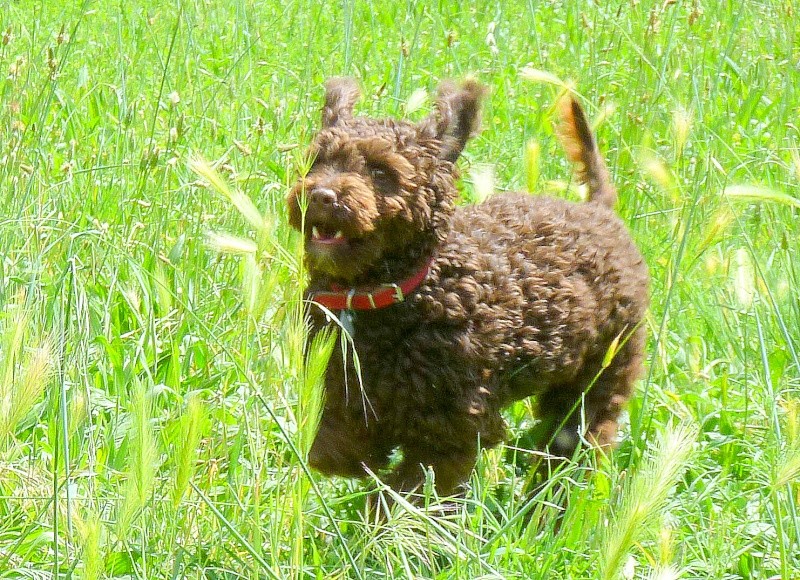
(383, 178)
(378, 173)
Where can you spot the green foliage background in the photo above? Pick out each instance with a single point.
(156, 399)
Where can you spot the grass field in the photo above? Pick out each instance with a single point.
(154, 401)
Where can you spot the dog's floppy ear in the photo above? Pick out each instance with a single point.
(457, 117)
(341, 93)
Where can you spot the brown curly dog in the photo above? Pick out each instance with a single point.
(455, 313)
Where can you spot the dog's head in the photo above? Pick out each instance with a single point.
(378, 189)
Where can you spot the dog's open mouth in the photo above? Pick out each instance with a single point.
(327, 235)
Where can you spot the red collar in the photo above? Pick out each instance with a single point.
(381, 296)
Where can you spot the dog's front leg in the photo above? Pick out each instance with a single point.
(451, 468)
(344, 447)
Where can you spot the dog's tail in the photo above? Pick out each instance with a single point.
(579, 143)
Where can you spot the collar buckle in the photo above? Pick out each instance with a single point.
(398, 292)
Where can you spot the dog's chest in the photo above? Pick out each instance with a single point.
(383, 362)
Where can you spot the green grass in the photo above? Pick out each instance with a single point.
(156, 398)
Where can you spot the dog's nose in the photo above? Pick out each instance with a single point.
(322, 196)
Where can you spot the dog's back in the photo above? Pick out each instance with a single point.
(572, 278)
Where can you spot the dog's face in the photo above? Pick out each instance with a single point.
(377, 186)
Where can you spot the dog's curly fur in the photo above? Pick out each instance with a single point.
(526, 295)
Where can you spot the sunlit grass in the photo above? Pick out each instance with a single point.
(158, 396)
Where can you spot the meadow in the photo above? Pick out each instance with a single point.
(157, 396)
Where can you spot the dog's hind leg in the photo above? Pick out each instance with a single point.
(589, 405)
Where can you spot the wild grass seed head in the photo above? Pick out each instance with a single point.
(644, 497)
(142, 456)
(25, 370)
(681, 127)
(191, 427)
(532, 157)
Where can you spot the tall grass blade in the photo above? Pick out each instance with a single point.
(240, 201)
(264, 567)
(230, 244)
(536, 75)
(755, 193)
(533, 155)
(644, 497)
(142, 456)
